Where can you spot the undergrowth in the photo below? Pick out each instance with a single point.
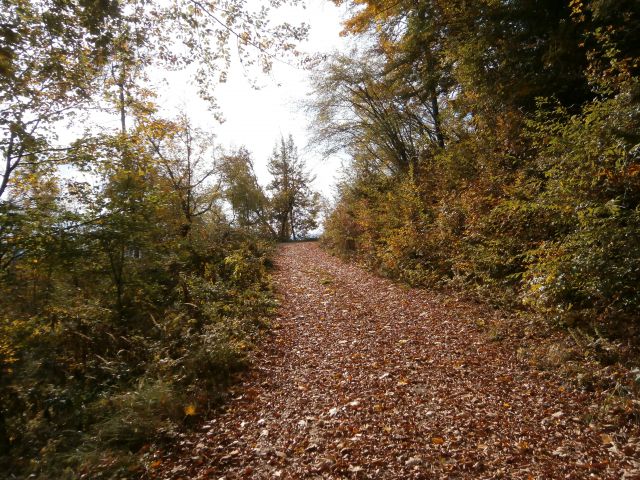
(85, 391)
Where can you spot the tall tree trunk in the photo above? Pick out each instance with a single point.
(435, 111)
(122, 100)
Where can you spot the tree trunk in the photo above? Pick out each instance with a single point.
(5, 444)
(435, 111)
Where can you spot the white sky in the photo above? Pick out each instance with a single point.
(257, 118)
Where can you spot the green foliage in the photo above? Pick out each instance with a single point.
(591, 164)
(241, 189)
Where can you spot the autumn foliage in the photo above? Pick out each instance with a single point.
(128, 296)
(494, 148)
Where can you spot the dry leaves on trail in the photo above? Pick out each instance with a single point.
(362, 378)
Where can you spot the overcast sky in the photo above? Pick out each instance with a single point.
(257, 118)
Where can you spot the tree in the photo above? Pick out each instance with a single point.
(50, 56)
(185, 159)
(241, 189)
(294, 206)
(55, 56)
(412, 39)
(357, 106)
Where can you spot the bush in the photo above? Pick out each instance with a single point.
(86, 385)
(554, 227)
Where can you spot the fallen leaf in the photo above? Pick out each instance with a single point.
(606, 439)
(190, 410)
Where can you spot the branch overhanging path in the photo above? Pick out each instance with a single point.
(362, 378)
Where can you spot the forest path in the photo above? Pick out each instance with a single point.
(362, 378)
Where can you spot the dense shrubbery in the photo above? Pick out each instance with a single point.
(559, 232)
(591, 163)
(532, 196)
(125, 311)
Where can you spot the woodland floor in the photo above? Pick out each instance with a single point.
(363, 378)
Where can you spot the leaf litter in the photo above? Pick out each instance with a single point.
(362, 378)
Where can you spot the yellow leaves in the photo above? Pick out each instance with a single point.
(633, 170)
(606, 439)
(241, 345)
(190, 410)
(372, 14)
(8, 353)
(160, 129)
(577, 8)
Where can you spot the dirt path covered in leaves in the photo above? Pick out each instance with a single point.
(362, 378)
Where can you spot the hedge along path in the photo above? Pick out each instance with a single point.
(362, 378)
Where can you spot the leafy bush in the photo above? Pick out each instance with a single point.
(91, 375)
(591, 161)
(558, 232)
